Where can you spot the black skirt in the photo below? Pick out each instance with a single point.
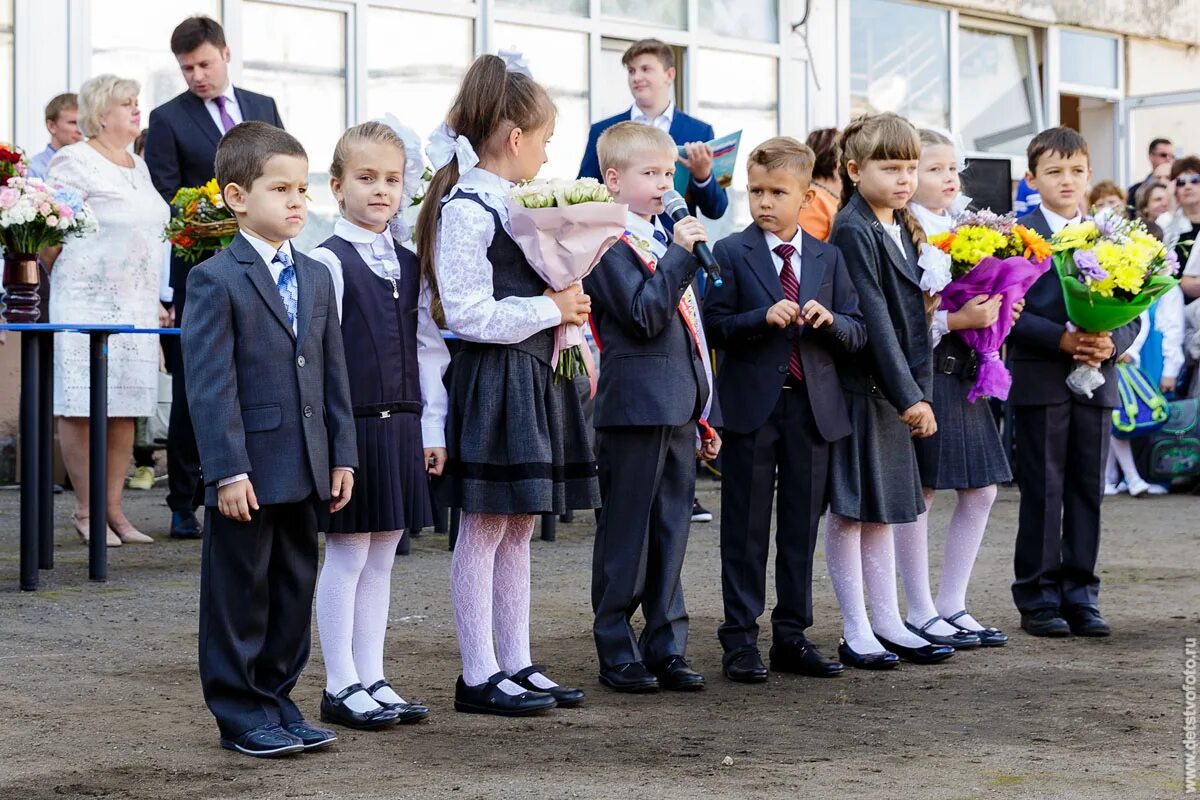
(966, 452)
(873, 474)
(518, 442)
(391, 487)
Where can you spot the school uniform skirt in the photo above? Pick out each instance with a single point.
(873, 471)
(966, 452)
(518, 442)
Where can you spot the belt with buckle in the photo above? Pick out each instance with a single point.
(967, 366)
(385, 410)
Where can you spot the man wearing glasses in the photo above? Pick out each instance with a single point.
(1185, 175)
(1161, 152)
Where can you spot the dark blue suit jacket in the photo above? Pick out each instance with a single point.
(754, 369)
(709, 199)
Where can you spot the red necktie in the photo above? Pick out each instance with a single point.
(791, 291)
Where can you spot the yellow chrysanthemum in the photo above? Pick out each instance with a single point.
(974, 243)
(1075, 236)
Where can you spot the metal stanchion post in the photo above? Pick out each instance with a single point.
(30, 409)
(98, 457)
(46, 450)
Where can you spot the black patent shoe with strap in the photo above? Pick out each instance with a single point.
(988, 637)
(335, 710)
(408, 713)
(564, 695)
(489, 698)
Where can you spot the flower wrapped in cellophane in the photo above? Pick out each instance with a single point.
(1111, 270)
(201, 224)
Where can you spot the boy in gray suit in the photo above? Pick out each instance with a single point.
(263, 356)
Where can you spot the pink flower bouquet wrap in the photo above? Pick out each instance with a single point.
(563, 228)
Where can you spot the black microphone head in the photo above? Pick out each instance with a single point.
(676, 206)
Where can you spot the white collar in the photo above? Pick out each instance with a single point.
(774, 241)
(1056, 221)
(481, 181)
(640, 226)
(668, 113)
(267, 253)
(347, 230)
(931, 221)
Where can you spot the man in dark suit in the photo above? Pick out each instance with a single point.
(1061, 437)
(180, 147)
(784, 313)
(1161, 152)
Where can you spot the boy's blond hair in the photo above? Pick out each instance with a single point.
(786, 153)
(622, 143)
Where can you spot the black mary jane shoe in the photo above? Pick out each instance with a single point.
(988, 637)
(335, 710)
(408, 712)
(265, 741)
(871, 661)
(925, 654)
(961, 639)
(564, 695)
(311, 736)
(489, 698)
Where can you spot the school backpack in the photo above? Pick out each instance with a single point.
(1142, 408)
(1172, 451)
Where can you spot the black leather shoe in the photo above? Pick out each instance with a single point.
(801, 657)
(312, 737)
(184, 525)
(872, 661)
(961, 639)
(265, 741)
(1086, 621)
(675, 675)
(565, 695)
(631, 677)
(407, 713)
(925, 654)
(744, 666)
(988, 637)
(1044, 622)
(489, 698)
(334, 709)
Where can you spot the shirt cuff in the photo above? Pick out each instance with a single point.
(344, 469)
(703, 183)
(548, 313)
(433, 436)
(244, 476)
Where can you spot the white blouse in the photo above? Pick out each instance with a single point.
(464, 274)
(931, 223)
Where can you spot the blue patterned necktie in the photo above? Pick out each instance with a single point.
(286, 284)
(661, 236)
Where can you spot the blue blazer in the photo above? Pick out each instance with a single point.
(709, 199)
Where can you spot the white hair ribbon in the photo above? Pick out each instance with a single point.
(414, 169)
(514, 61)
(444, 144)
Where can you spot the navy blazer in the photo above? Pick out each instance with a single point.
(1039, 368)
(756, 359)
(181, 142)
(265, 401)
(650, 369)
(710, 199)
(898, 359)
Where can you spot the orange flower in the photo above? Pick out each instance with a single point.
(1036, 248)
(945, 244)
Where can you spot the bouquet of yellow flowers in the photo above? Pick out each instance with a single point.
(1111, 271)
(201, 224)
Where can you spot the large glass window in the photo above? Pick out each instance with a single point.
(416, 81)
(996, 100)
(667, 13)
(7, 86)
(558, 60)
(1088, 59)
(142, 51)
(741, 19)
(576, 8)
(900, 61)
(302, 64)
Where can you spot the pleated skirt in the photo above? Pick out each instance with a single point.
(873, 471)
(966, 452)
(391, 487)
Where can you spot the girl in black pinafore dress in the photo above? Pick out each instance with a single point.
(395, 357)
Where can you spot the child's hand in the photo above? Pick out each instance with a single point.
(236, 500)
(981, 311)
(1166, 385)
(341, 485)
(688, 231)
(698, 160)
(572, 303)
(710, 447)
(782, 314)
(920, 418)
(435, 460)
(816, 315)
(1093, 348)
(1017, 308)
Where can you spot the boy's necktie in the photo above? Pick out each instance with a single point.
(287, 286)
(661, 236)
(226, 120)
(791, 291)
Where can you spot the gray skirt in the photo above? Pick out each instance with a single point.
(518, 442)
(966, 452)
(873, 475)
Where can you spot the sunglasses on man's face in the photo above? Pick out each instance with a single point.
(1184, 180)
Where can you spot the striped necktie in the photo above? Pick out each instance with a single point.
(791, 291)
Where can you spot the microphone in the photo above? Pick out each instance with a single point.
(677, 209)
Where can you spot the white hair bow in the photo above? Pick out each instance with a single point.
(514, 61)
(414, 169)
(445, 144)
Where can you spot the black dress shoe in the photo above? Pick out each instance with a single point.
(565, 695)
(744, 666)
(265, 741)
(408, 713)
(801, 657)
(312, 737)
(1044, 622)
(675, 675)
(335, 710)
(925, 654)
(489, 698)
(1086, 621)
(988, 637)
(872, 661)
(961, 639)
(631, 677)
(184, 525)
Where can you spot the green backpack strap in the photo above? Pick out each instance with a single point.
(1133, 387)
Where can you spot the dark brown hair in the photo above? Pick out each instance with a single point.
(650, 47)
(827, 152)
(491, 102)
(1061, 141)
(139, 141)
(1141, 198)
(1185, 164)
(243, 152)
(68, 101)
(1154, 143)
(195, 31)
(786, 153)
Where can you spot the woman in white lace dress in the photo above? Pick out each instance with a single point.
(109, 277)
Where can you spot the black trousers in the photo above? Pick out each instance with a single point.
(787, 444)
(184, 484)
(1061, 450)
(647, 483)
(256, 591)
